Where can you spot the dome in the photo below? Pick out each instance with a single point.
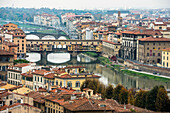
(62, 38)
(33, 37)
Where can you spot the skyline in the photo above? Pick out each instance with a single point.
(88, 4)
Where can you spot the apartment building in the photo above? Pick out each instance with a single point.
(129, 43)
(166, 58)
(18, 37)
(47, 20)
(14, 72)
(6, 59)
(149, 49)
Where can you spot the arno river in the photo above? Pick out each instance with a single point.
(108, 76)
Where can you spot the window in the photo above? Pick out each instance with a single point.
(153, 61)
(38, 79)
(167, 64)
(35, 78)
(41, 79)
(60, 83)
(52, 83)
(153, 43)
(153, 48)
(148, 48)
(167, 57)
(163, 63)
(56, 82)
(164, 57)
(159, 54)
(153, 54)
(147, 54)
(77, 84)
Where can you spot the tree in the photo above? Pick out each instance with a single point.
(162, 101)
(109, 91)
(140, 100)
(123, 96)
(151, 99)
(131, 98)
(116, 92)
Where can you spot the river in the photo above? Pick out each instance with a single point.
(108, 76)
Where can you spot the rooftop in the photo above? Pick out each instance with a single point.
(4, 52)
(152, 39)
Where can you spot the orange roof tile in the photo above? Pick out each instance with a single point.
(154, 39)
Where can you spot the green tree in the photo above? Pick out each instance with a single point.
(131, 98)
(162, 101)
(123, 96)
(116, 92)
(109, 91)
(151, 99)
(140, 100)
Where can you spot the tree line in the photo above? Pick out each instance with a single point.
(155, 99)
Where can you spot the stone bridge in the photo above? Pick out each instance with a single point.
(48, 35)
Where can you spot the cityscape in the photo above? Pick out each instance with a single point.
(92, 57)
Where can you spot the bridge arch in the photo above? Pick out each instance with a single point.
(64, 46)
(59, 46)
(33, 37)
(48, 37)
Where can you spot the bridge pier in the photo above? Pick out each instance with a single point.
(73, 54)
(44, 57)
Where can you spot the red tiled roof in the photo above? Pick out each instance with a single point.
(40, 72)
(111, 42)
(4, 52)
(29, 74)
(167, 49)
(154, 39)
(21, 65)
(51, 76)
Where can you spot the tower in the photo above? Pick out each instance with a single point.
(119, 19)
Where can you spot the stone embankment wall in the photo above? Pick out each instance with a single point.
(147, 68)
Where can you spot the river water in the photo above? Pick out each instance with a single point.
(108, 76)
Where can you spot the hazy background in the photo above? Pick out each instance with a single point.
(86, 4)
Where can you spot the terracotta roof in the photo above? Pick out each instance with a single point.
(37, 97)
(3, 94)
(21, 65)
(133, 32)
(84, 104)
(3, 107)
(50, 76)
(4, 52)
(10, 44)
(28, 74)
(154, 39)
(74, 67)
(40, 72)
(111, 42)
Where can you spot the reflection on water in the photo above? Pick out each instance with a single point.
(33, 57)
(82, 58)
(108, 76)
(58, 57)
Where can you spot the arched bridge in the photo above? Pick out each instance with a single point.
(47, 35)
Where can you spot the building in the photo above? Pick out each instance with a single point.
(19, 108)
(166, 58)
(129, 43)
(149, 49)
(111, 48)
(47, 20)
(68, 77)
(10, 26)
(82, 105)
(12, 33)
(6, 59)
(14, 72)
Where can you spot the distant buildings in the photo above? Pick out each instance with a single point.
(47, 20)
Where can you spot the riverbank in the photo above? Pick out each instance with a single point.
(147, 75)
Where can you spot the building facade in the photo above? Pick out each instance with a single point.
(149, 49)
(166, 58)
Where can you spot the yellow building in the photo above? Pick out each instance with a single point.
(71, 76)
(10, 26)
(166, 58)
